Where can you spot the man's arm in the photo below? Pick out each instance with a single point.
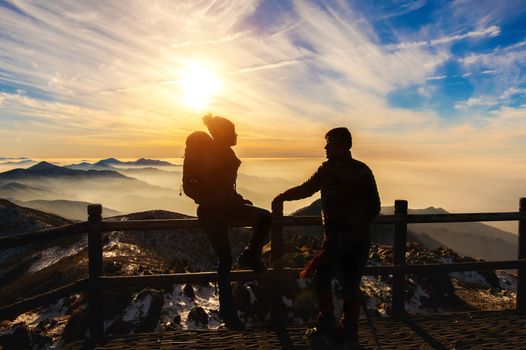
(372, 198)
(306, 189)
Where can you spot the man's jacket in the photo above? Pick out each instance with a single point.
(349, 196)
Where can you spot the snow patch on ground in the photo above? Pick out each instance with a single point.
(54, 316)
(137, 309)
(507, 279)
(470, 278)
(415, 305)
(115, 248)
(50, 256)
(31, 318)
(176, 303)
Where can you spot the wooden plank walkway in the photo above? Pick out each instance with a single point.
(475, 330)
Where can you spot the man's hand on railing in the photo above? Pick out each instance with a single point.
(277, 205)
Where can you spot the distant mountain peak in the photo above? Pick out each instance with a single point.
(435, 210)
(152, 162)
(108, 161)
(44, 166)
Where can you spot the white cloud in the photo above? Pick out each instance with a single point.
(110, 69)
(491, 31)
(342, 47)
(268, 66)
(490, 100)
(501, 57)
(478, 101)
(496, 74)
(438, 77)
(511, 92)
(117, 66)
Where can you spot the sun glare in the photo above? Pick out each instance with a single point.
(199, 85)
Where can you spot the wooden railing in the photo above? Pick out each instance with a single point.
(97, 282)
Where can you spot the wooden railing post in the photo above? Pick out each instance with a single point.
(276, 257)
(521, 272)
(96, 321)
(399, 250)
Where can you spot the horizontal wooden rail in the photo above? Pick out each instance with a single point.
(466, 266)
(463, 217)
(42, 235)
(179, 278)
(248, 275)
(413, 218)
(11, 311)
(169, 224)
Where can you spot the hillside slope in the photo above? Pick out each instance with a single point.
(71, 210)
(472, 239)
(135, 309)
(16, 219)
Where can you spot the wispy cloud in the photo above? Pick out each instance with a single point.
(491, 31)
(210, 42)
(438, 77)
(267, 66)
(491, 100)
(104, 74)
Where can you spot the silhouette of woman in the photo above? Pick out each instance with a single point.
(221, 205)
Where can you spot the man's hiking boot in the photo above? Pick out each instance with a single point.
(249, 260)
(346, 339)
(325, 327)
(234, 323)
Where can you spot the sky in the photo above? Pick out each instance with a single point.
(422, 85)
(409, 78)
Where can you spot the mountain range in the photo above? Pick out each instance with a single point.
(471, 239)
(66, 191)
(111, 188)
(113, 163)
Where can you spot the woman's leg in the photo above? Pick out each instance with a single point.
(262, 223)
(217, 234)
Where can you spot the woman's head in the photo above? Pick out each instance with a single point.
(221, 129)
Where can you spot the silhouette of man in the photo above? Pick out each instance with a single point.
(350, 202)
(220, 205)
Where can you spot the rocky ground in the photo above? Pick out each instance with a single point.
(132, 310)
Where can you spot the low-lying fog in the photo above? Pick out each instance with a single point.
(483, 187)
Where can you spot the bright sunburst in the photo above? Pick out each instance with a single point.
(199, 85)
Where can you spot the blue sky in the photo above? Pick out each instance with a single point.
(414, 78)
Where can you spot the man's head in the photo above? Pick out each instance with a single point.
(339, 142)
(222, 130)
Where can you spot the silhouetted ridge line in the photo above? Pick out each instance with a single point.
(45, 169)
(44, 166)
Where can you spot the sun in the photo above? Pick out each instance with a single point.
(199, 85)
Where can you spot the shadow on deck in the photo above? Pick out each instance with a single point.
(480, 330)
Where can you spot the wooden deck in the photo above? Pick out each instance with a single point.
(475, 330)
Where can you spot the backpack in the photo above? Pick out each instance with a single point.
(199, 147)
